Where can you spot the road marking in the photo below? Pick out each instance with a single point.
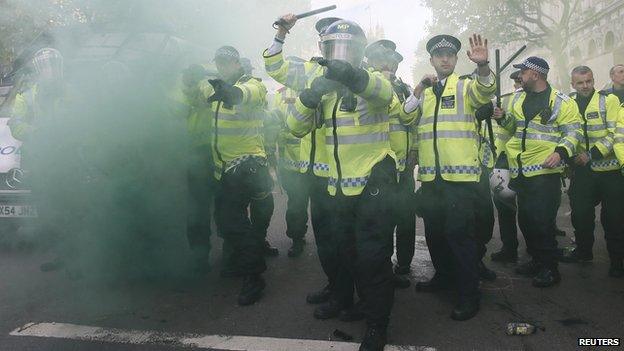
(218, 342)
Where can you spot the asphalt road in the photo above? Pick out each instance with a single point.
(587, 303)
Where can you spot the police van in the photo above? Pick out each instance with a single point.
(16, 205)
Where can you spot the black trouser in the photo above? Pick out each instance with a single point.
(507, 225)
(246, 186)
(320, 216)
(588, 189)
(201, 185)
(485, 213)
(363, 230)
(538, 201)
(405, 218)
(450, 215)
(298, 192)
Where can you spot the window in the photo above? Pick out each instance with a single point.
(609, 41)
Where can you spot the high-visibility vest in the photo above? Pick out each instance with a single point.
(533, 141)
(356, 140)
(618, 140)
(448, 135)
(237, 130)
(400, 134)
(501, 136)
(298, 76)
(598, 126)
(26, 111)
(289, 146)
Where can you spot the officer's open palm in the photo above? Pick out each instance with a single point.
(478, 52)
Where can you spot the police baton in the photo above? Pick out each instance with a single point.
(281, 23)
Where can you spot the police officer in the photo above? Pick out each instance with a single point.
(442, 107)
(596, 175)
(291, 179)
(314, 160)
(617, 263)
(237, 101)
(546, 128)
(354, 105)
(505, 198)
(382, 57)
(617, 79)
(200, 174)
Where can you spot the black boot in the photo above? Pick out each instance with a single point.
(375, 338)
(504, 255)
(530, 268)
(270, 250)
(486, 273)
(297, 248)
(547, 277)
(251, 292)
(436, 283)
(616, 270)
(328, 310)
(576, 256)
(319, 296)
(465, 310)
(401, 282)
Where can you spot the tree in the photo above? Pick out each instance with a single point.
(542, 23)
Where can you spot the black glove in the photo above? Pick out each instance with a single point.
(229, 94)
(320, 86)
(193, 74)
(484, 112)
(353, 78)
(595, 153)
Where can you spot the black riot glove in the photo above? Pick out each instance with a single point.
(320, 86)
(193, 74)
(229, 94)
(353, 78)
(484, 112)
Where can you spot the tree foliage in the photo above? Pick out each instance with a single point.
(544, 24)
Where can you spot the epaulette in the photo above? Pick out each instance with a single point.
(466, 76)
(563, 96)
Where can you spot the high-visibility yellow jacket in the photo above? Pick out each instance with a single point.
(26, 111)
(447, 131)
(298, 76)
(400, 136)
(237, 130)
(501, 136)
(618, 142)
(598, 127)
(191, 104)
(533, 141)
(289, 145)
(357, 140)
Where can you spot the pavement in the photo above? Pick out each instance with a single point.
(183, 314)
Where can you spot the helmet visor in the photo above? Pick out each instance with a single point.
(48, 64)
(344, 50)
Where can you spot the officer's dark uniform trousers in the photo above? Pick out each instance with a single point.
(405, 217)
(588, 189)
(363, 227)
(485, 213)
(506, 213)
(244, 206)
(201, 184)
(538, 201)
(298, 191)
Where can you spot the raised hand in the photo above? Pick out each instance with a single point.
(478, 52)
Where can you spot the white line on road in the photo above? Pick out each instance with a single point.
(218, 342)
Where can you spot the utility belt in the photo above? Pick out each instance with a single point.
(249, 174)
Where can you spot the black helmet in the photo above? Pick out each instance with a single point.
(344, 40)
